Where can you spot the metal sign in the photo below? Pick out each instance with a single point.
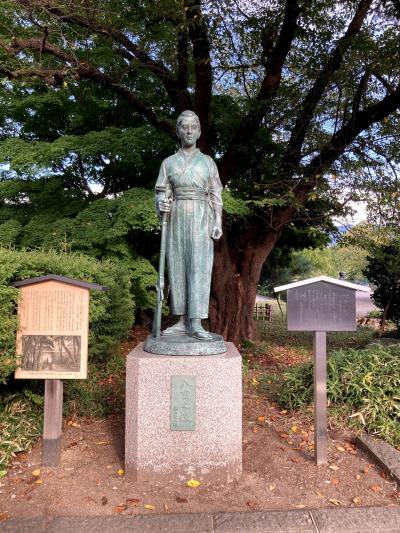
(321, 306)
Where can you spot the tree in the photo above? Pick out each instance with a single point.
(383, 270)
(296, 100)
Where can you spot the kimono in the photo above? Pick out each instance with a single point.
(193, 183)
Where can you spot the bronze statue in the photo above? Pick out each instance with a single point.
(189, 190)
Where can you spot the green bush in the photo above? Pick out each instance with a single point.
(362, 384)
(20, 424)
(111, 313)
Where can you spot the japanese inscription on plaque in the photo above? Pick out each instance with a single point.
(183, 403)
(53, 331)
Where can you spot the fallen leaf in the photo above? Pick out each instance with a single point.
(39, 481)
(133, 501)
(89, 499)
(181, 500)
(335, 502)
(320, 494)
(254, 382)
(261, 419)
(284, 411)
(356, 500)
(120, 508)
(340, 448)
(36, 473)
(4, 515)
(283, 435)
(166, 508)
(299, 506)
(272, 487)
(73, 424)
(375, 488)
(333, 467)
(3, 473)
(103, 442)
(252, 504)
(335, 481)
(121, 472)
(193, 483)
(294, 429)
(149, 507)
(104, 500)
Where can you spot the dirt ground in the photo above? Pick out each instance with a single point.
(278, 467)
(279, 473)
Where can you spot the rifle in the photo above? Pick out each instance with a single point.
(160, 281)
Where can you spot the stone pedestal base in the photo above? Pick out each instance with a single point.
(212, 451)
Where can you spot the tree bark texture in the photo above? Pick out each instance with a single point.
(234, 287)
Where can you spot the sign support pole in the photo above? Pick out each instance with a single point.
(320, 399)
(52, 427)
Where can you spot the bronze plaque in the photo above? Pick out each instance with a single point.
(183, 403)
(53, 331)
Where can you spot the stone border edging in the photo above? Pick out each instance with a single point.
(385, 455)
(349, 520)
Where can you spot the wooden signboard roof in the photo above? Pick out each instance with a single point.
(61, 279)
(327, 279)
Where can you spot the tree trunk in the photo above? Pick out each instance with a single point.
(234, 286)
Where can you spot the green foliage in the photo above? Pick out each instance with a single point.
(362, 384)
(20, 425)
(383, 271)
(111, 312)
(103, 392)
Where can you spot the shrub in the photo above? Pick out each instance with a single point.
(363, 384)
(20, 425)
(110, 313)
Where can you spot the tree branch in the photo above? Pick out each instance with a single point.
(81, 70)
(198, 33)
(359, 122)
(384, 82)
(268, 89)
(130, 49)
(292, 155)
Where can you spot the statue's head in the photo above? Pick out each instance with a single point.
(188, 128)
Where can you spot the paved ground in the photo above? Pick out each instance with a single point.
(360, 520)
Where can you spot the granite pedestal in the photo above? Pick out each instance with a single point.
(212, 451)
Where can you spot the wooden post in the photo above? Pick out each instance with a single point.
(52, 427)
(320, 399)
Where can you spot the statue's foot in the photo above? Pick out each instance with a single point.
(200, 333)
(179, 328)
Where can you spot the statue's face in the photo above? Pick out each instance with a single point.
(188, 131)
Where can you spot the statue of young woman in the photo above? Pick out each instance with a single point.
(189, 190)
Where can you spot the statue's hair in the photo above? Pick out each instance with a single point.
(187, 114)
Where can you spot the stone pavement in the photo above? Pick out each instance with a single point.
(352, 520)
